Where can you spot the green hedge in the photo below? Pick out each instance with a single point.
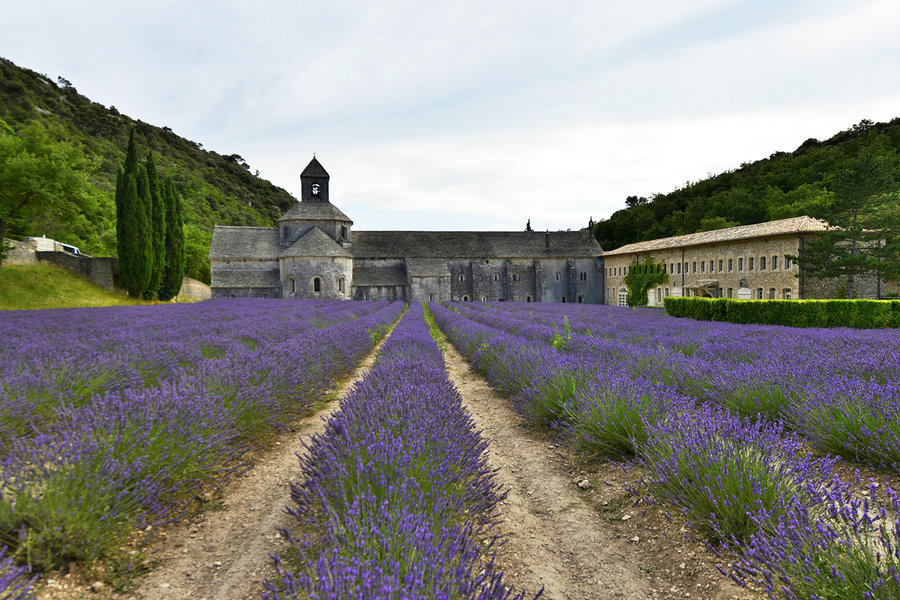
(861, 314)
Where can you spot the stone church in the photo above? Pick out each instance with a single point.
(315, 253)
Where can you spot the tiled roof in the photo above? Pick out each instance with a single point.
(245, 279)
(790, 226)
(427, 267)
(244, 242)
(315, 243)
(314, 211)
(473, 244)
(364, 274)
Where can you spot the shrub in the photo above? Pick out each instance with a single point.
(859, 314)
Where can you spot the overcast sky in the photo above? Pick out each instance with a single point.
(477, 115)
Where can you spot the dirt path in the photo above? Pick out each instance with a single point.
(224, 553)
(580, 543)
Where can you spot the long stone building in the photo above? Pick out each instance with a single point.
(315, 253)
(748, 261)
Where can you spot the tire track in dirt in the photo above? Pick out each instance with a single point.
(224, 554)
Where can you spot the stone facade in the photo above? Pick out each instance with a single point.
(750, 261)
(314, 253)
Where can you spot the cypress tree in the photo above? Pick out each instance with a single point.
(174, 271)
(132, 224)
(157, 211)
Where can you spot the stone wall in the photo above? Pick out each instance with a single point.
(193, 290)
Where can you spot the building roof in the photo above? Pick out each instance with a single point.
(314, 211)
(315, 243)
(245, 279)
(792, 226)
(427, 267)
(473, 244)
(314, 169)
(379, 275)
(244, 242)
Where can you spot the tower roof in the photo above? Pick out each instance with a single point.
(314, 211)
(314, 169)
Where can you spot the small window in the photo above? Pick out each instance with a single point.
(462, 277)
(515, 276)
(671, 268)
(366, 296)
(658, 295)
(679, 268)
(317, 284)
(431, 297)
(667, 292)
(720, 265)
(465, 298)
(580, 298)
(484, 298)
(703, 267)
(293, 286)
(786, 293)
(557, 275)
(496, 276)
(787, 262)
(750, 264)
(775, 263)
(583, 276)
(762, 263)
(344, 233)
(528, 298)
(694, 266)
(771, 293)
(341, 284)
(564, 299)
(759, 293)
(730, 293)
(741, 264)
(730, 265)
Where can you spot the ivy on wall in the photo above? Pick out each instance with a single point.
(643, 275)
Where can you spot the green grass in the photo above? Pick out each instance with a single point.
(49, 286)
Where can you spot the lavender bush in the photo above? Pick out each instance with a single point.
(396, 494)
(14, 581)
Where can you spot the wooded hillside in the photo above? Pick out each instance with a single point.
(216, 188)
(786, 184)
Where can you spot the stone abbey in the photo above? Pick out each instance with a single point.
(315, 253)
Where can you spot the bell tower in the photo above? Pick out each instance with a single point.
(314, 183)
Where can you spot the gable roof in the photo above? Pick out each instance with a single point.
(244, 242)
(314, 211)
(315, 243)
(792, 226)
(314, 169)
(473, 244)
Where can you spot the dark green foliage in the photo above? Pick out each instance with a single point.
(860, 314)
(217, 189)
(174, 256)
(157, 211)
(781, 186)
(643, 275)
(133, 224)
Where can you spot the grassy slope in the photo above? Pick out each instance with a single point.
(49, 286)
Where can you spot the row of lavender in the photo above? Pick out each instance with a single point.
(114, 418)
(839, 388)
(396, 494)
(749, 485)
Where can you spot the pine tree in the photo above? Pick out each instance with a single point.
(157, 210)
(133, 224)
(174, 271)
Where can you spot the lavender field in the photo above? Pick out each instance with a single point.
(740, 428)
(114, 419)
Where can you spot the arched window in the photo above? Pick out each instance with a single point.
(431, 297)
(462, 277)
(317, 284)
(528, 298)
(557, 275)
(786, 293)
(293, 285)
(484, 298)
(366, 296)
(341, 284)
(496, 276)
(564, 299)
(580, 298)
(515, 276)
